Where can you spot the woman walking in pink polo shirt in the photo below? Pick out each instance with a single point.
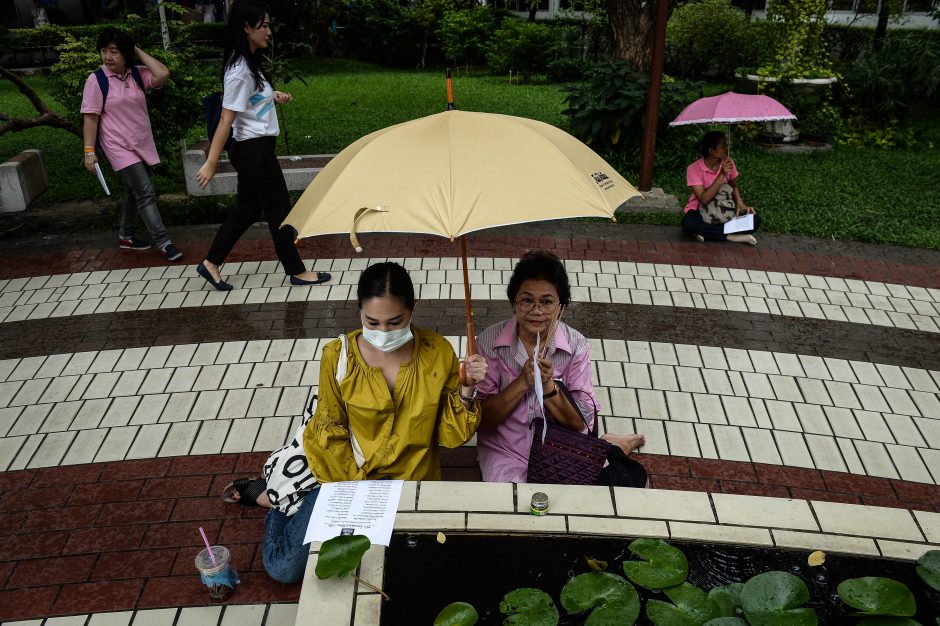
(114, 108)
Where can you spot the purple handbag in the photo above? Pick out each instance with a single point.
(565, 457)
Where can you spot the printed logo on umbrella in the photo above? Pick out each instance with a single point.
(600, 178)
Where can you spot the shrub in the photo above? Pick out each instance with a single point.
(174, 109)
(707, 37)
(607, 111)
(523, 47)
(884, 84)
(466, 34)
(382, 32)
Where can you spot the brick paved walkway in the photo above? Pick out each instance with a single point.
(129, 395)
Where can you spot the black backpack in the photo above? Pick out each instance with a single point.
(212, 112)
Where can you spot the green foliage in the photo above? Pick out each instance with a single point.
(340, 556)
(693, 607)
(874, 595)
(521, 47)
(928, 568)
(457, 614)
(466, 33)
(381, 31)
(776, 599)
(726, 621)
(693, 46)
(800, 51)
(528, 607)
(665, 565)
(174, 109)
(612, 599)
(884, 84)
(608, 109)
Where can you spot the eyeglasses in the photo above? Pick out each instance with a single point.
(527, 304)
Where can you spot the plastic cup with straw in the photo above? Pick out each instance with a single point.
(215, 570)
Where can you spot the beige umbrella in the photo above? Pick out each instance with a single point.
(455, 173)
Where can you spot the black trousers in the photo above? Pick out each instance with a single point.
(693, 224)
(261, 189)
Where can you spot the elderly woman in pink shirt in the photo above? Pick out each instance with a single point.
(116, 121)
(539, 285)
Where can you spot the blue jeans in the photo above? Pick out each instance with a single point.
(284, 551)
(141, 198)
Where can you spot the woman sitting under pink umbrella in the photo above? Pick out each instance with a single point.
(716, 196)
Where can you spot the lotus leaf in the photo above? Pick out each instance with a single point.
(726, 621)
(692, 606)
(888, 621)
(665, 566)
(728, 598)
(340, 556)
(528, 607)
(457, 614)
(878, 596)
(774, 599)
(928, 567)
(665, 614)
(613, 599)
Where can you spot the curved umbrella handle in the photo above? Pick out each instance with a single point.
(353, 239)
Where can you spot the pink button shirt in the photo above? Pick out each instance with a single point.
(503, 452)
(124, 125)
(699, 174)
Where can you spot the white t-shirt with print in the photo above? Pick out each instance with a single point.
(255, 115)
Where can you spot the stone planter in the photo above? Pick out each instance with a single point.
(22, 178)
(298, 171)
(800, 85)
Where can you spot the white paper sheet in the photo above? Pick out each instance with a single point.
(539, 392)
(361, 507)
(738, 224)
(101, 180)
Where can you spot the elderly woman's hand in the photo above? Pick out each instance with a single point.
(474, 370)
(547, 370)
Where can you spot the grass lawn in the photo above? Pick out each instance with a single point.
(869, 194)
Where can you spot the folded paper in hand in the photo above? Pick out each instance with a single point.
(739, 224)
(101, 180)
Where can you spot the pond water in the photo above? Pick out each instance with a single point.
(422, 576)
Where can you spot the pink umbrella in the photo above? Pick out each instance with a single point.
(731, 108)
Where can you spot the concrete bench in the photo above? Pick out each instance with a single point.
(298, 171)
(22, 178)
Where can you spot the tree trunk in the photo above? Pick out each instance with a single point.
(631, 31)
(881, 30)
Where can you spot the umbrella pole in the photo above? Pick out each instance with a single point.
(471, 341)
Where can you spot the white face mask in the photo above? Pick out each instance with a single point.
(388, 340)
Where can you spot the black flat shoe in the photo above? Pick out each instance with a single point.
(322, 277)
(203, 271)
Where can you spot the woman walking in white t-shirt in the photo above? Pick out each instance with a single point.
(248, 113)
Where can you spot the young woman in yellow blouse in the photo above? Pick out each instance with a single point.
(400, 399)
(400, 396)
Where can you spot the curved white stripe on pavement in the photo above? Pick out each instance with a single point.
(697, 401)
(231, 615)
(715, 288)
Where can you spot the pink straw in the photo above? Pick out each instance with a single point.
(208, 547)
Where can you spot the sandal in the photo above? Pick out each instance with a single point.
(248, 490)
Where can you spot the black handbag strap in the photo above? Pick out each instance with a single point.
(563, 390)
